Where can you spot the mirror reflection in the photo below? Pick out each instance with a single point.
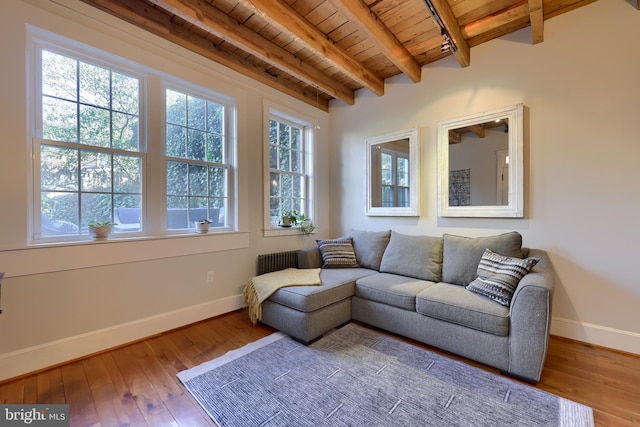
(390, 174)
(392, 185)
(480, 164)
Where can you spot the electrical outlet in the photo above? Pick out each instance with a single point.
(209, 276)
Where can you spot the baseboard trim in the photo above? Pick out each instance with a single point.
(36, 358)
(597, 335)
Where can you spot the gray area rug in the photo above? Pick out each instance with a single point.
(358, 377)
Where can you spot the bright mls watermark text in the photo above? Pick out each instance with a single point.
(34, 415)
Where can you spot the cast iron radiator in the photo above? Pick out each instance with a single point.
(277, 261)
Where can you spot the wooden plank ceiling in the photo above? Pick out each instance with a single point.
(319, 50)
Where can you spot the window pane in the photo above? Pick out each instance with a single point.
(59, 76)
(215, 144)
(197, 180)
(59, 213)
(296, 161)
(177, 179)
(217, 182)
(95, 207)
(176, 141)
(275, 184)
(403, 172)
(196, 145)
(283, 135)
(217, 210)
(284, 159)
(94, 126)
(196, 112)
(287, 186)
(297, 187)
(58, 168)
(215, 118)
(125, 132)
(95, 171)
(273, 157)
(176, 108)
(59, 120)
(295, 138)
(127, 174)
(95, 85)
(125, 94)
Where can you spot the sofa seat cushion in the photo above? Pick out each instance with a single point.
(391, 289)
(337, 284)
(457, 305)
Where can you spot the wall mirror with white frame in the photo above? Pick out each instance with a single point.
(481, 165)
(392, 174)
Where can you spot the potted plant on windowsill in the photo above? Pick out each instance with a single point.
(306, 225)
(202, 226)
(100, 230)
(289, 218)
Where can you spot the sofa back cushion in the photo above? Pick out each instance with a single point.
(414, 256)
(369, 247)
(462, 254)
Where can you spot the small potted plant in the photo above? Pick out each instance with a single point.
(100, 230)
(289, 218)
(202, 226)
(306, 225)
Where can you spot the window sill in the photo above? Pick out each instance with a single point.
(284, 231)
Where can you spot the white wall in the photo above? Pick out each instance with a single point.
(60, 303)
(582, 93)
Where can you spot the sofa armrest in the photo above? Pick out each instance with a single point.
(530, 315)
(309, 258)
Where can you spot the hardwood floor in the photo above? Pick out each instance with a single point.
(136, 385)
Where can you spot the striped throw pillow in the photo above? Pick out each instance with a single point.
(499, 275)
(338, 253)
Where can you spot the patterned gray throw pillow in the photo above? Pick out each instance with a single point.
(499, 275)
(337, 253)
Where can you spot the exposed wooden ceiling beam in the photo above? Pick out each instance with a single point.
(478, 130)
(463, 52)
(154, 21)
(210, 19)
(454, 137)
(519, 11)
(359, 14)
(536, 16)
(287, 20)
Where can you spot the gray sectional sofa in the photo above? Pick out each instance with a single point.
(438, 290)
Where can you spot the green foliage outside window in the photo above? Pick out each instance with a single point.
(90, 160)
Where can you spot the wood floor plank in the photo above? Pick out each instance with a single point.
(78, 393)
(136, 385)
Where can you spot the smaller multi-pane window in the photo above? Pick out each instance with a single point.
(394, 179)
(287, 169)
(197, 161)
(87, 143)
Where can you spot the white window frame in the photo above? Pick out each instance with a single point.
(230, 151)
(395, 186)
(152, 112)
(278, 112)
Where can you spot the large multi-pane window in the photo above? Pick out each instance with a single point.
(394, 179)
(97, 159)
(197, 170)
(87, 140)
(288, 170)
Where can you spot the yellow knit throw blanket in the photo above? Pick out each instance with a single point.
(261, 287)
